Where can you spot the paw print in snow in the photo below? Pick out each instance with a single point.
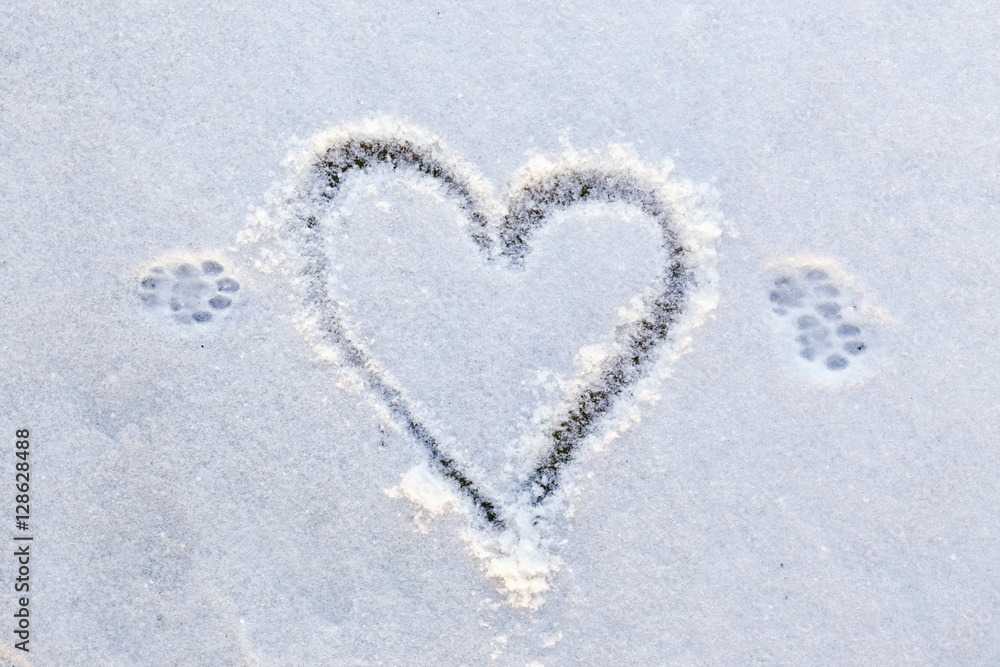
(189, 291)
(821, 317)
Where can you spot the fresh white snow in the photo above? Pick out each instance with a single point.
(230, 491)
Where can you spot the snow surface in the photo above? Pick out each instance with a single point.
(225, 492)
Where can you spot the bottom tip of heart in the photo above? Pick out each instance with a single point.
(520, 563)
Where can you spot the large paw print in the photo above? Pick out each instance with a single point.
(824, 319)
(189, 292)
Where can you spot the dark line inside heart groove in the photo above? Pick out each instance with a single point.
(531, 203)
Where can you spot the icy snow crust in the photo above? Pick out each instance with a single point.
(508, 531)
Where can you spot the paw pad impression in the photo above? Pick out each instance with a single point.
(189, 291)
(818, 314)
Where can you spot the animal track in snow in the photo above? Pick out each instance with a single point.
(189, 291)
(817, 312)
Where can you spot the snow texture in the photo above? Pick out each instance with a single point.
(594, 333)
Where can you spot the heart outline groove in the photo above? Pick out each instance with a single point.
(502, 234)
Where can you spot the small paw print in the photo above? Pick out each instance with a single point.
(826, 325)
(189, 292)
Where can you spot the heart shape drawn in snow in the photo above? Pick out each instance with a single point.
(508, 533)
